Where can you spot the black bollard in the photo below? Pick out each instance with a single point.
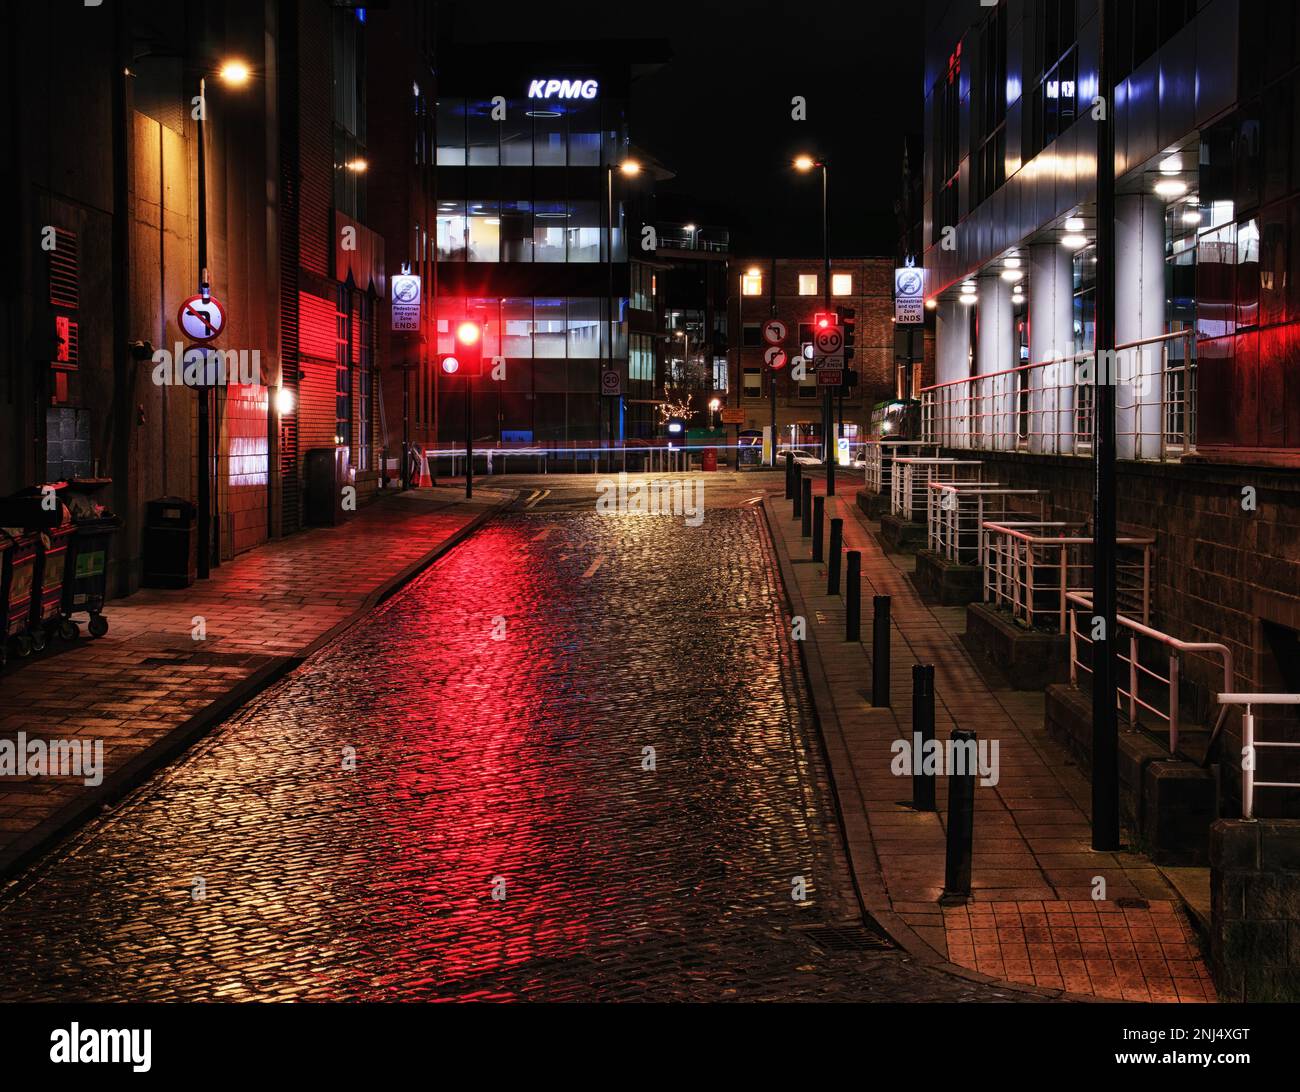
(819, 518)
(798, 489)
(805, 508)
(961, 816)
(922, 734)
(789, 475)
(833, 557)
(880, 651)
(853, 598)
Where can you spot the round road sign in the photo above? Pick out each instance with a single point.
(829, 342)
(774, 331)
(201, 319)
(774, 357)
(610, 382)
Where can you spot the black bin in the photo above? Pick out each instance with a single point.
(171, 543)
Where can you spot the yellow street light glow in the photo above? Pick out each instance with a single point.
(357, 165)
(752, 271)
(804, 163)
(629, 166)
(715, 404)
(235, 73)
(931, 304)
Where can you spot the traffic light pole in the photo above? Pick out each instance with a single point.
(828, 447)
(469, 436)
(1105, 722)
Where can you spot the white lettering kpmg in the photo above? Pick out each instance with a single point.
(564, 89)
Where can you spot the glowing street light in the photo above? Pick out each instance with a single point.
(234, 73)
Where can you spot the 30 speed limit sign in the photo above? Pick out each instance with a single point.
(829, 342)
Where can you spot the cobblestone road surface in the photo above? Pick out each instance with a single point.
(263, 867)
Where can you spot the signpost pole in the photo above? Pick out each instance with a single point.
(828, 444)
(469, 437)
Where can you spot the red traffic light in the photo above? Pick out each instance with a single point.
(824, 320)
(449, 364)
(468, 333)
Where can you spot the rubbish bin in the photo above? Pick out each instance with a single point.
(171, 544)
(324, 477)
(85, 582)
(47, 597)
(709, 459)
(19, 575)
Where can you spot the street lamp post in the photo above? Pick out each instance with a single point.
(628, 167)
(233, 73)
(807, 163)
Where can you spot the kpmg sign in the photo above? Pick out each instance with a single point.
(563, 89)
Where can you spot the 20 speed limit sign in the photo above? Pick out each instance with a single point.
(829, 342)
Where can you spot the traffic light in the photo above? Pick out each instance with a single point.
(848, 326)
(468, 357)
(824, 320)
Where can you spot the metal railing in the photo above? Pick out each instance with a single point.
(1166, 680)
(956, 513)
(1250, 745)
(1030, 569)
(1046, 407)
(909, 484)
(879, 456)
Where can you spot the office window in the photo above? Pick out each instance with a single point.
(517, 326)
(584, 133)
(720, 373)
(1053, 106)
(752, 383)
(641, 363)
(805, 333)
(516, 231)
(482, 135)
(842, 284)
(989, 107)
(548, 140)
(584, 231)
(484, 231)
(451, 132)
(751, 335)
(807, 284)
(751, 284)
(549, 327)
(584, 327)
(517, 135)
(642, 287)
(451, 231)
(807, 390)
(548, 231)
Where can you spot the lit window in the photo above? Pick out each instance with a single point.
(807, 284)
(751, 284)
(842, 284)
(753, 383)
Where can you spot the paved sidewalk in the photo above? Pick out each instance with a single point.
(1032, 919)
(150, 686)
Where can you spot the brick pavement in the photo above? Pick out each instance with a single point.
(1032, 919)
(149, 681)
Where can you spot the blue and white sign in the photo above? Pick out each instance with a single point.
(406, 300)
(563, 89)
(909, 295)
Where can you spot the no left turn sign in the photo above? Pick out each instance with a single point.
(201, 319)
(774, 331)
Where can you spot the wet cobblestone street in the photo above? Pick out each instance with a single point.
(454, 801)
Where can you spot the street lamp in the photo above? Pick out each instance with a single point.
(233, 73)
(804, 164)
(627, 167)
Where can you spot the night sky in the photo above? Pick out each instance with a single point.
(719, 113)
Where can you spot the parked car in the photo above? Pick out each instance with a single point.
(803, 458)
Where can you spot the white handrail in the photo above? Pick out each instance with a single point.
(1137, 669)
(1046, 406)
(1250, 743)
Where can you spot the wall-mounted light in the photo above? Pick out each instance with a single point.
(358, 165)
(1171, 164)
(1171, 187)
(1074, 241)
(1074, 223)
(284, 401)
(234, 73)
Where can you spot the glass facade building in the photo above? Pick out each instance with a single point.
(531, 237)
